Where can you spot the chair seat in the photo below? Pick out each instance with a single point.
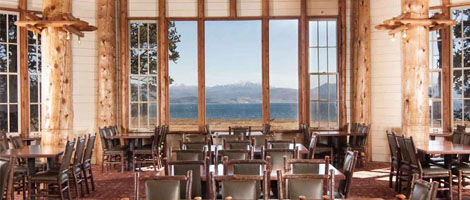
(115, 150)
(86, 165)
(435, 170)
(47, 176)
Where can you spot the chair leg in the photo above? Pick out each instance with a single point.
(29, 190)
(85, 178)
(61, 192)
(390, 176)
(122, 162)
(102, 164)
(133, 162)
(450, 185)
(92, 180)
(459, 180)
(75, 185)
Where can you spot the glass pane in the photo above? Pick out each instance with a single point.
(134, 115)
(332, 60)
(322, 57)
(3, 89)
(12, 33)
(13, 56)
(39, 55)
(33, 88)
(332, 87)
(153, 35)
(314, 87)
(466, 87)
(466, 22)
(313, 32)
(466, 51)
(436, 84)
(333, 114)
(3, 58)
(467, 110)
(143, 89)
(3, 27)
(314, 119)
(144, 62)
(143, 35)
(457, 29)
(457, 84)
(436, 114)
(153, 114)
(13, 89)
(134, 61)
(31, 40)
(4, 117)
(32, 59)
(331, 33)
(133, 35)
(134, 88)
(153, 89)
(143, 115)
(323, 114)
(34, 118)
(313, 60)
(322, 38)
(13, 118)
(457, 54)
(323, 87)
(457, 110)
(153, 61)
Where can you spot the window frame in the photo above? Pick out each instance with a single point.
(38, 74)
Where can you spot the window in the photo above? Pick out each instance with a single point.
(143, 75)
(183, 75)
(233, 73)
(323, 74)
(461, 66)
(8, 73)
(283, 74)
(34, 69)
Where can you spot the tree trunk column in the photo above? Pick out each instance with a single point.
(106, 107)
(57, 111)
(415, 74)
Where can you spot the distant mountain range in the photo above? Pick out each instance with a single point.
(237, 93)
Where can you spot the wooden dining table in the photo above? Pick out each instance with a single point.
(446, 148)
(31, 152)
(131, 137)
(257, 151)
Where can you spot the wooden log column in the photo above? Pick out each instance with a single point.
(163, 75)
(446, 71)
(124, 42)
(361, 81)
(106, 107)
(265, 60)
(304, 90)
(415, 73)
(57, 111)
(24, 74)
(201, 98)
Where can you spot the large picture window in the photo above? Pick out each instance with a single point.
(323, 74)
(143, 75)
(461, 66)
(233, 73)
(183, 75)
(34, 69)
(9, 111)
(283, 74)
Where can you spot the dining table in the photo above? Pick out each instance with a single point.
(32, 152)
(133, 139)
(258, 149)
(443, 147)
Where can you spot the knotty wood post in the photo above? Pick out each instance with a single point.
(446, 71)
(415, 73)
(265, 60)
(201, 78)
(304, 90)
(24, 74)
(57, 110)
(106, 37)
(343, 119)
(163, 75)
(361, 76)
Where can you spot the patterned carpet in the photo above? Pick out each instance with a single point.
(370, 181)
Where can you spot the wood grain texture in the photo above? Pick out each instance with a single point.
(304, 104)
(163, 76)
(124, 26)
(446, 71)
(201, 98)
(265, 61)
(415, 74)
(233, 8)
(24, 75)
(57, 110)
(343, 119)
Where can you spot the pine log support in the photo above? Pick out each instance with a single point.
(57, 111)
(124, 26)
(233, 8)
(304, 90)
(446, 71)
(415, 74)
(343, 119)
(361, 76)
(265, 60)
(163, 75)
(24, 75)
(201, 98)
(106, 106)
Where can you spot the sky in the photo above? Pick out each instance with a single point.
(233, 53)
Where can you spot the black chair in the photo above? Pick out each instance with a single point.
(111, 155)
(238, 144)
(421, 190)
(280, 144)
(240, 131)
(198, 168)
(165, 187)
(306, 166)
(307, 186)
(147, 154)
(187, 155)
(75, 171)
(86, 163)
(344, 186)
(404, 170)
(234, 154)
(395, 159)
(239, 186)
(57, 180)
(7, 178)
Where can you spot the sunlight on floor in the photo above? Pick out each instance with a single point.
(379, 174)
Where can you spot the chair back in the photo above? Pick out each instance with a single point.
(6, 176)
(405, 157)
(461, 128)
(413, 154)
(240, 186)
(280, 144)
(350, 161)
(194, 145)
(239, 131)
(103, 134)
(195, 138)
(17, 142)
(278, 155)
(188, 155)
(235, 154)
(393, 145)
(4, 144)
(307, 166)
(361, 141)
(173, 168)
(423, 190)
(305, 133)
(67, 157)
(79, 151)
(237, 144)
(259, 140)
(266, 129)
(311, 186)
(457, 136)
(166, 187)
(90, 145)
(246, 167)
(208, 129)
(312, 146)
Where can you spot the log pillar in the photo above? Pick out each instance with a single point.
(163, 73)
(57, 111)
(201, 70)
(415, 73)
(106, 106)
(304, 77)
(361, 76)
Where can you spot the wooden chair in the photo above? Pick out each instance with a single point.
(344, 186)
(7, 178)
(306, 166)
(266, 129)
(75, 171)
(234, 154)
(260, 140)
(111, 155)
(431, 172)
(278, 156)
(247, 167)
(238, 144)
(280, 144)
(359, 143)
(165, 187)
(86, 163)
(198, 168)
(309, 186)
(194, 145)
(462, 169)
(195, 138)
(147, 154)
(187, 155)
(404, 170)
(56, 180)
(239, 186)
(230, 137)
(244, 132)
(395, 159)
(421, 190)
